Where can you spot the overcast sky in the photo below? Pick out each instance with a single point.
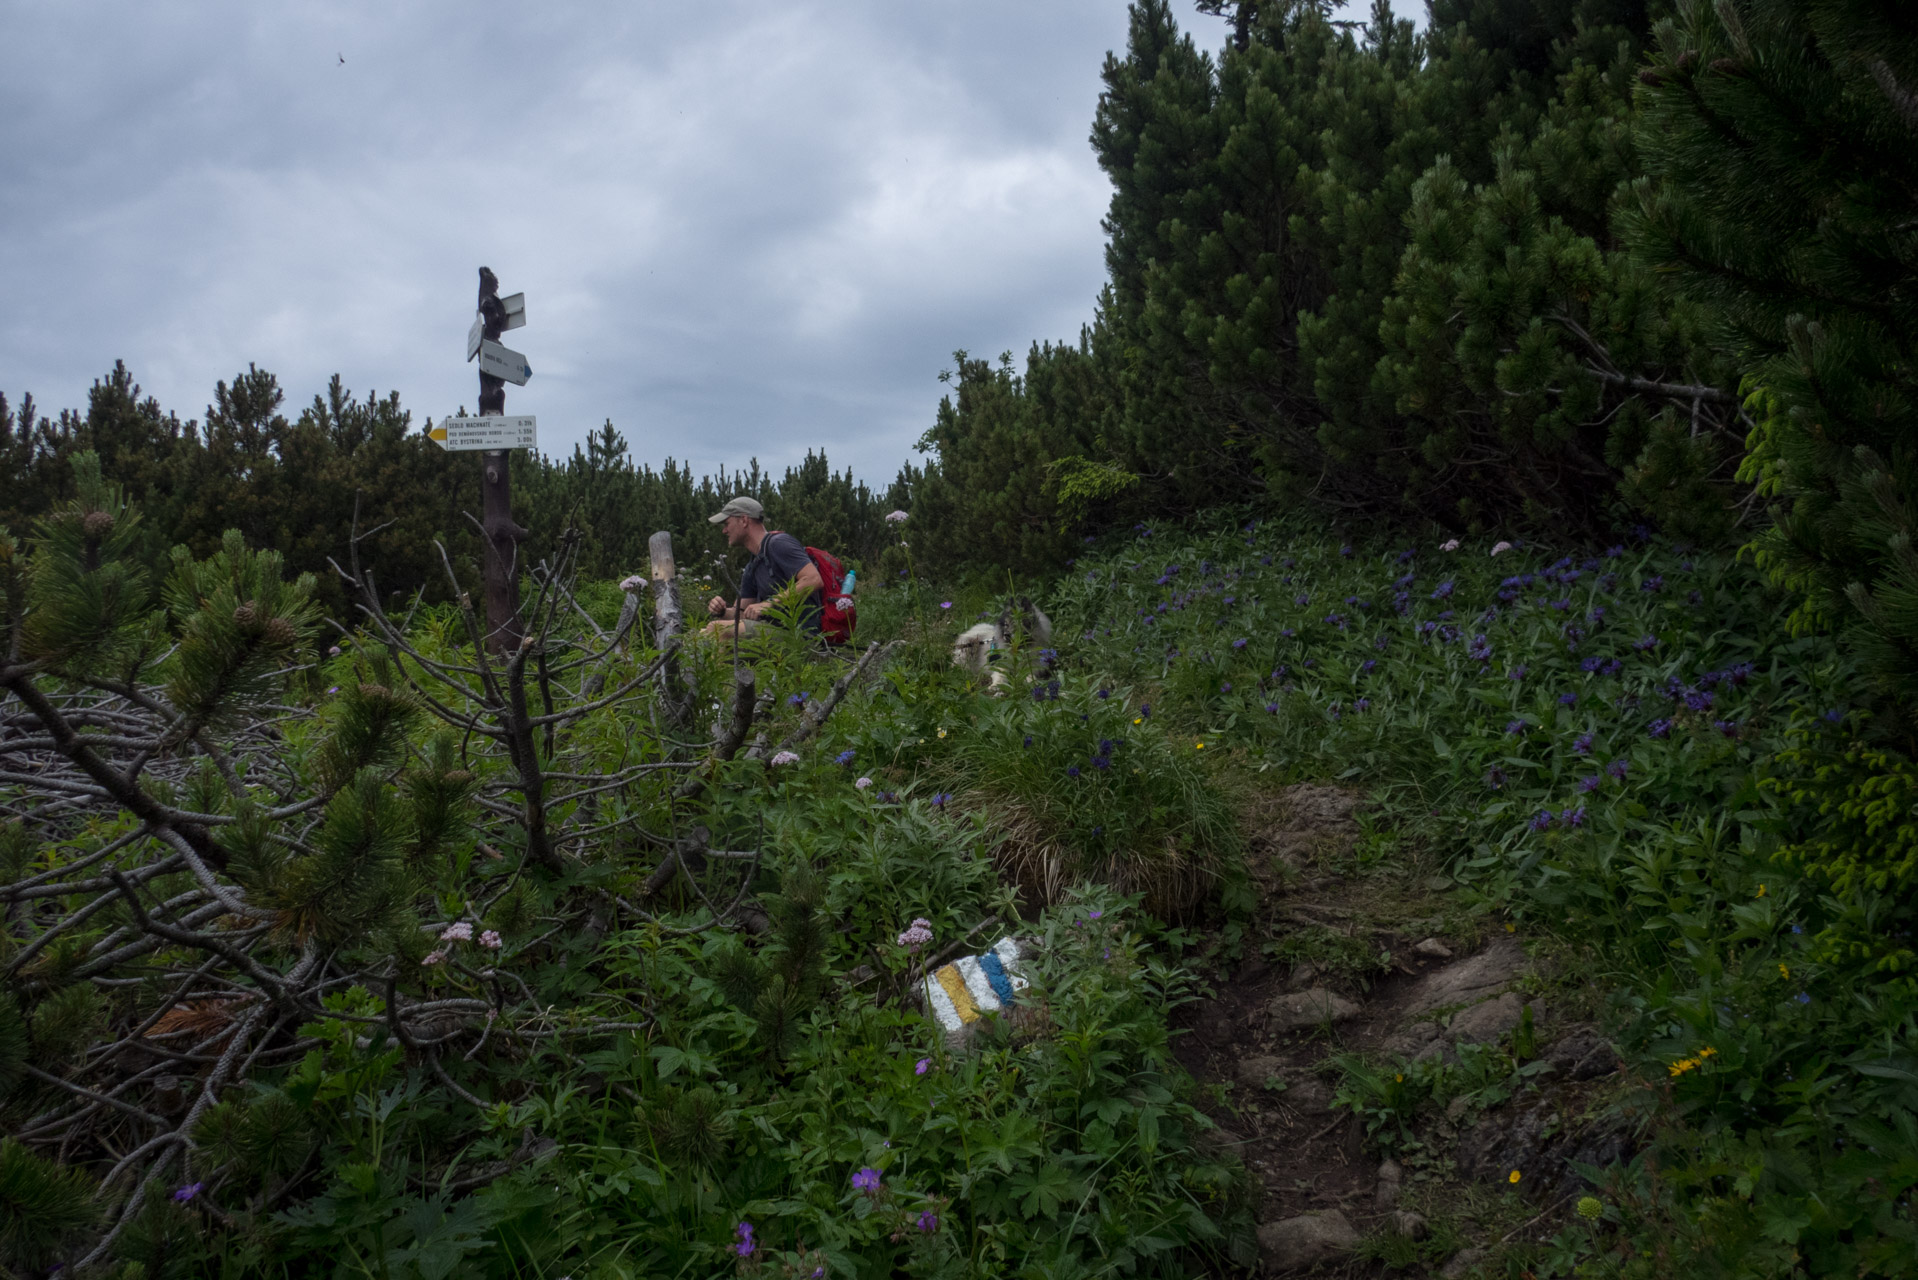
(743, 228)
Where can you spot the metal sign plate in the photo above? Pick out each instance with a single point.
(493, 431)
(473, 337)
(503, 362)
(514, 306)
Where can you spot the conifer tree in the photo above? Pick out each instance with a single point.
(1780, 140)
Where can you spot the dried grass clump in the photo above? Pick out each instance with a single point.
(1041, 859)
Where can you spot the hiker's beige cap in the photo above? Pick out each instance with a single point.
(740, 506)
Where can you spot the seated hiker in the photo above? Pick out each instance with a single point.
(779, 572)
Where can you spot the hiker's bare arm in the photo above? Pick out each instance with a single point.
(720, 609)
(803, 584)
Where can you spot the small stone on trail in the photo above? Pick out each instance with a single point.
(1408, 1224)
(1309, 1008)
(1434, 948)
(1582, 1054)
(1252, 1073)
(1306, 1241)
(1408, 1040)
(1463, 1261)
(1387, 1195)
(1309, 1096)
(1302, 975)
(1487, 1022)
(1457, 1107)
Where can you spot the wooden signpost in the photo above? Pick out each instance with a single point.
(496, 434)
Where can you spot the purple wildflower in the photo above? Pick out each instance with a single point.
(1588, 783)
(844, 757)
(1727, 727)
(1661, 729)
(1582, 745)
(746, 1245)
(1495, 778)
(1567, 699)
(187, 1192)
(927, 1221)
(1618, 769)
(922, 1066)
(866, 1180)
(1516, 726)
(1573, 817)
(1645, 644)
(1542, 821)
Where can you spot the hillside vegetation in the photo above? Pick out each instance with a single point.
(1497, 437)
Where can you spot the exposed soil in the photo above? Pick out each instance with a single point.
(1398, 971)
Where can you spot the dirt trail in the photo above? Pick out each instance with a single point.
(1349, 958)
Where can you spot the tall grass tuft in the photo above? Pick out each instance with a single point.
(1079, 784)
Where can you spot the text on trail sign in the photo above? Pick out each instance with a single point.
(503, 362)
(493, 431)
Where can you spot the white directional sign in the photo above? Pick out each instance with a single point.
(494, 431)
(515, 308)
(473, 337)
(503, 362)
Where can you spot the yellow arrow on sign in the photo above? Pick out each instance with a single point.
(437, 433)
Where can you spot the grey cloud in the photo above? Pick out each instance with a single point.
(743, 229)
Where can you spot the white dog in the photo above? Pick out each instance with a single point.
(978, 646)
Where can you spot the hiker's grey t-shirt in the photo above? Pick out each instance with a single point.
(780, 559)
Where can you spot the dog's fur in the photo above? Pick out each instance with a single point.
(974, 647)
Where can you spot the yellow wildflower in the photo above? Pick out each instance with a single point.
(1198, 746)
(1761, 891)
(1137, 720)
(1783, 972)
(1514, 1178)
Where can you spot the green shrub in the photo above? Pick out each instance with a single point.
(1080, 783)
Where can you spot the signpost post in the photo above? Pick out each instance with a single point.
(496, 434)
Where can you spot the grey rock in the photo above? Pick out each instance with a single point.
(1309, 1096)
(1456, 1108)
(1308, 1240)
(1309, 1008)
(1409, 1039)
(1488, 1021)
(1303, 974)
(1313, 805)
(1582, 1054)
(1391, 1177)
(1463, 1261)
(1253, 1072)
(1467, 981)
(1434, 948)
(1410, 1225)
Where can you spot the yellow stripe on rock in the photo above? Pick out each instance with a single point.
(956, 988)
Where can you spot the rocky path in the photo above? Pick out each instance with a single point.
(1348, 957)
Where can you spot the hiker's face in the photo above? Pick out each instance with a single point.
(735, 528)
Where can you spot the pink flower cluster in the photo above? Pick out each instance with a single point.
(460, 931)
(786, 757)
(918, 935)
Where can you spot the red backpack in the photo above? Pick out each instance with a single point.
(835, 623)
